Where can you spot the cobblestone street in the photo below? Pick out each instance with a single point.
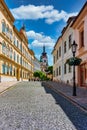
(30, 106)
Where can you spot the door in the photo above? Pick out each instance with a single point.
(83, 75)
(18, 74)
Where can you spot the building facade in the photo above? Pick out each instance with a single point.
(16, 59)
(36, 65)
(76, 29)
(80, 36)
(61, 52)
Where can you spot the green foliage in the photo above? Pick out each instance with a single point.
(37, 74)
(40, 75)
(50, 69)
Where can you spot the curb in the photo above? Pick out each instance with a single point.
(67, 97)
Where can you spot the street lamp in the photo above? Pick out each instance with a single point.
(74, 47)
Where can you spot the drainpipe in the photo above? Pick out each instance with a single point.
(62, 77)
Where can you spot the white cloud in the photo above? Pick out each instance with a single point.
(41, 12)
(39, 39)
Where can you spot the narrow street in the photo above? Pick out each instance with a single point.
(30, 106)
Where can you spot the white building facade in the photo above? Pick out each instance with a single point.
(61, 52)
(36, 63)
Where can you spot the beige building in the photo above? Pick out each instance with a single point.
(61, 52)
(16, 59)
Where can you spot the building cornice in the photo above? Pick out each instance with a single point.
(7, 10)
(79, 17)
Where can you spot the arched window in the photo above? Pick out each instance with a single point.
(8, 50)
(3, 26)
(3, 47)
(7, 30)
(11, 52)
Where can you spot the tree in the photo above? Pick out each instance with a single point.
(37, 74)
(50, 69)
(40, 75)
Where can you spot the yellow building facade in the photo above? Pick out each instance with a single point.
(16, 59)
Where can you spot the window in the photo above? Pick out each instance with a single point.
(70, 41)
(14, 56)
(14, 72)
(8, 70)
(8, 51)
(11, 53)
(65, 68)
(57, 54)
(3, 26)
(11, 35)
(3, 68)
(82, 38)
(59, 70)
(17, 44)
(3, 47)
(54, 59)
(65, 47)
(59, 51)
(17, 58)
(7, 30)
(70, 69)
(54, 73)
(11, 70)
(14, 41)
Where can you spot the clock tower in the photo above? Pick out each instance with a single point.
(44, 60)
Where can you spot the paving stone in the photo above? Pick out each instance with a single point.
(30, 106)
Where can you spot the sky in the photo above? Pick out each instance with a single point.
(43, 20)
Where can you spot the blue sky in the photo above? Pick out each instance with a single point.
(44, 20)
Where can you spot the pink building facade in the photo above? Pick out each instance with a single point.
(80, 36)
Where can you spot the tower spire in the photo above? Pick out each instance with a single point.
(44, 49)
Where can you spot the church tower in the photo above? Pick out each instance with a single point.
(44, 60)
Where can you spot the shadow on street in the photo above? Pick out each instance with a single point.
(76, 116)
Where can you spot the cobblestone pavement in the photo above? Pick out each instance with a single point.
(29, 106)
(67, 90)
